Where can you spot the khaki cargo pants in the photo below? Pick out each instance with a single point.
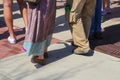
(79, 19)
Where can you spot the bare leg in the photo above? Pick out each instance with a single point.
(8, 16)
(23, 10)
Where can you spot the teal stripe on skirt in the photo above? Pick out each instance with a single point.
(36, 48)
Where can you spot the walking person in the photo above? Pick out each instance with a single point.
(8, 5)
(95, 31)
(41, 23)
(79, 18)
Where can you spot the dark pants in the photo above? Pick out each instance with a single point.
(96, 20)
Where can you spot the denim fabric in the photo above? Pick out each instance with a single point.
(96, 20)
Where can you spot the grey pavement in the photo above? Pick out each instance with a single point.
(62, 64)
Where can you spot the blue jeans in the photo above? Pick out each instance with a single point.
(96, 20)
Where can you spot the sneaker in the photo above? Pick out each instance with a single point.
(11, 40)
(82, 52)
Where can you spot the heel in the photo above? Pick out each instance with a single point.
(39, 61)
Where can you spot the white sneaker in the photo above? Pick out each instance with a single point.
(11, 40)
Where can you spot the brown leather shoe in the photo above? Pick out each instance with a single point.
(35, 59)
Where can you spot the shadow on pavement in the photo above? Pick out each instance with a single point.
(110, 36)
(61, 53)
(110, 44)
(61, 24)
(5, 34)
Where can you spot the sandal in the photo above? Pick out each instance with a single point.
(39, 61)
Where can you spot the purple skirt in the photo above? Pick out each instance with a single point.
(41, 23)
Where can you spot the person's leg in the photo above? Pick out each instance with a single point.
(103, 4)
(91, 35)
(8, 16)
(92, 28)
(98, 16)
(9, 19)
(81, 25)
(76, 25)
(79, 36)
(96, 20)
(82, 28)
(97, 33)
(108, 3)
(24, 12)
(45, 52)
(87, 14)
(40, 58)
(103, 7)
(80, 40)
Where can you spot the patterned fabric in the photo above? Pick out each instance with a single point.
(41, 23)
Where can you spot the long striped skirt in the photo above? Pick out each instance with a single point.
(41, 23)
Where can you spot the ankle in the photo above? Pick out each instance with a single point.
(12, 36)
(41, 56)
(11, 40)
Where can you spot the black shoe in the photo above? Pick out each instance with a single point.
(98, 35)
